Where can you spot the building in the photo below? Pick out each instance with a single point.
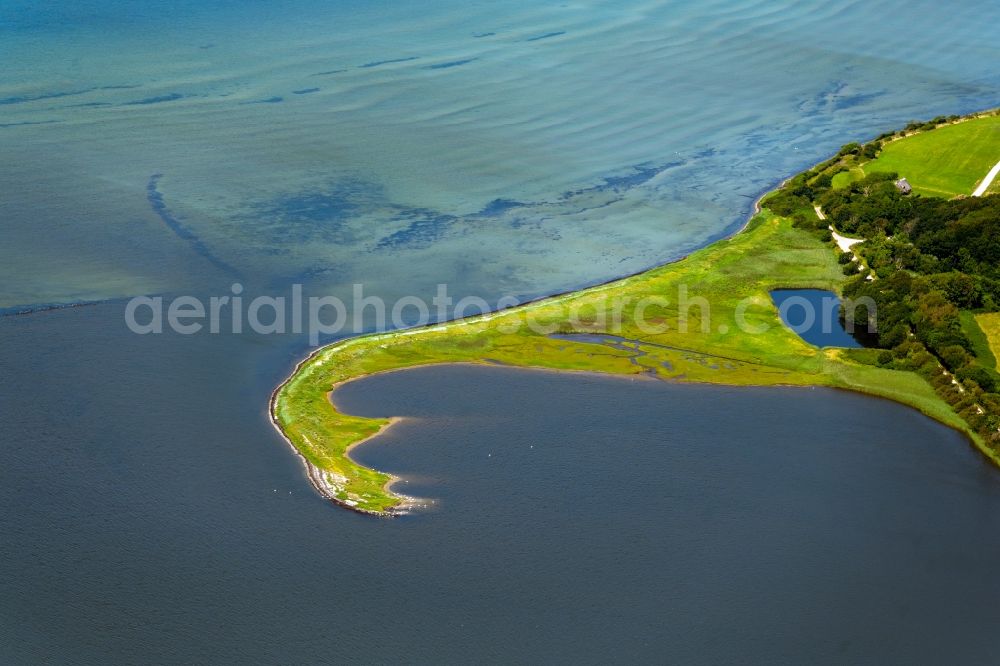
(903, 186)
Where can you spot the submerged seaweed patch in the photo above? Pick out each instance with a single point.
(21, 99)
(547, 35)
(640, 176)
(378, 63)
(425, 227)
(159, 99)
(453, 63)
(636, 176)
(270, 100)
(838, 96)
(500, 206)
(174, 223)
(340, 211)
(319, 215)
(29, 122)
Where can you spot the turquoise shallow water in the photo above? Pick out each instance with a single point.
(507, 147)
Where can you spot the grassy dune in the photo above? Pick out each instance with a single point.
(698, 345)
(945, 162)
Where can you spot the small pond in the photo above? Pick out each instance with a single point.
(814, 314)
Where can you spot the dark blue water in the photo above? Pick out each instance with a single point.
(150, 514)
(815, 315)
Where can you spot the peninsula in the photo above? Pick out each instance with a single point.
(710, 317)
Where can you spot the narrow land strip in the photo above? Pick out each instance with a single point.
(732, 278)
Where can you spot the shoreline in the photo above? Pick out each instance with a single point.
(316, 475)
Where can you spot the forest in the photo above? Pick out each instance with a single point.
(927, 263)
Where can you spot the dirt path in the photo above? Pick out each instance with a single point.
(843, 242)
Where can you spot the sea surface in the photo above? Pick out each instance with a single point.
(148, 511)
(150, 515)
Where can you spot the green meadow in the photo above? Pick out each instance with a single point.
(946, 162)
(845, 178)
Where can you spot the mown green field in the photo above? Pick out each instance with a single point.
(990, 326)
(845, 178)
(734, 277)
(945, 162)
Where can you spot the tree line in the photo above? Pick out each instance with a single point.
(923, 262)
